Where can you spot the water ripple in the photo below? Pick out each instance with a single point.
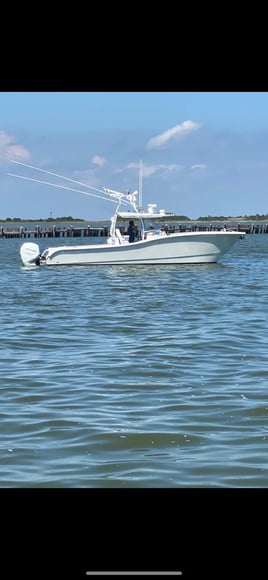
(135, 376)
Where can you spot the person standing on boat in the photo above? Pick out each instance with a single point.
(131, 231)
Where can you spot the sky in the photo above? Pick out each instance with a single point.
(202, 153)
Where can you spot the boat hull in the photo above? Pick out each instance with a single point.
(181, 248)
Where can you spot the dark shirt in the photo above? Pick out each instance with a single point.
(131, 232)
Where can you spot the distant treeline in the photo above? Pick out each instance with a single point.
(50, 219)
(209, 218)
(220, 218)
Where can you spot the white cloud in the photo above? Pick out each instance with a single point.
(147, 170)
(9, 149)
(87, 177)
(162, 140)
(161, 168)
(199, 166)
(97, 160)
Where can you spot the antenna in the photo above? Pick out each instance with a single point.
(140, 185)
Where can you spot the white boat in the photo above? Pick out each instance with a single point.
(152, 245)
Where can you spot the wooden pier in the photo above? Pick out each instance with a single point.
(53, 232)
(56, 231)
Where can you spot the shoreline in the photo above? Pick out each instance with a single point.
(174, 219)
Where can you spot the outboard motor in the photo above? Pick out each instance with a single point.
(30, 254)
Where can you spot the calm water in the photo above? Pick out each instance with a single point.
(135, 376)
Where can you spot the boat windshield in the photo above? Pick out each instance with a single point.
(150, 224)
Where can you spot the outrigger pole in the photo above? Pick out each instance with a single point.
(111, 195)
